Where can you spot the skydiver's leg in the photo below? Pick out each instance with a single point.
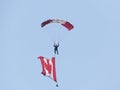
(57, 51)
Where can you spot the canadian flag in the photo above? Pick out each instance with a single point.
(48, 67)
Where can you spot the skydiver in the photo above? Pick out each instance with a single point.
(56, 48)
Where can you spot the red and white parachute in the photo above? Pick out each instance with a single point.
(64, 23)
(48, 67)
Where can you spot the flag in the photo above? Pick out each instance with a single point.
(48, 67)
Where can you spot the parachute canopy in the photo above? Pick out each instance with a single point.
(66, 24)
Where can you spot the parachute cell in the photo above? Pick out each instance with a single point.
(66, 24)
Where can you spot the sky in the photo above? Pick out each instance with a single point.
(89, 55)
